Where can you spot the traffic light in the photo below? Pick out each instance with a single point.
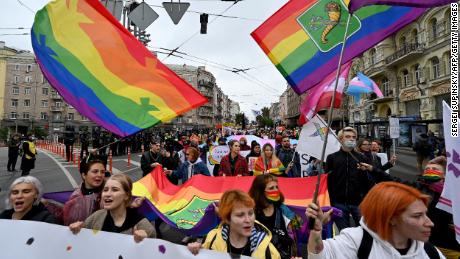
(204, 23)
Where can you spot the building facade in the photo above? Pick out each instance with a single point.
(412, 69)
(28, 102)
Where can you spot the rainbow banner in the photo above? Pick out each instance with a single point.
(303, 39)
(103, 71)
(188, 207)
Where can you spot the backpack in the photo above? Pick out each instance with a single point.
(366, 245)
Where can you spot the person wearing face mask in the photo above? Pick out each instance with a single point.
(273, 214)
(29, 156)
(23, 201)
(116, 215)
(244, 144)
(350, 176)
(239, 233)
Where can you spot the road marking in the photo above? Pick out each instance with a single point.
(66, 172)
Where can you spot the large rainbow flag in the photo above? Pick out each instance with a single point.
(103, 71)
(303, 39)
(188, 207)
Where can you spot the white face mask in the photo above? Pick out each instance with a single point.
(349, 144)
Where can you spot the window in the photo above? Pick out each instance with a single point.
(43, 79)
(44, 116)
(26, 103)
(14, 102)
(402, 42)
(44, 103)
(386, 86)
(433, 28)
(57, 117)
(13, 115)
(15, 90)
(25, 115)
(435, 67)
(373, 54)
(28, 79)
(27, 90)
(406, 78)
(417, 73)
(415, 36)
(16, 67)
(45, 90)
(16, 80)
(29, 68)
(57, 104)
(70, 116)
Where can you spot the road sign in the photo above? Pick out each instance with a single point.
(142, 16)
(114, 6)
(176, 10)
(394, 127)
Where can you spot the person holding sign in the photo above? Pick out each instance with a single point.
(268, 163)
(239, 233)
(233, 164)
(117, 216)
(251, 158)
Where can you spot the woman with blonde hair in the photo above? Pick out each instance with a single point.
(269, 163)
(117, 216)
(394, 224)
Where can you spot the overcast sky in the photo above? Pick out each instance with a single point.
(228, 42)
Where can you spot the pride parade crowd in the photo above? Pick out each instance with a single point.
(382, 216)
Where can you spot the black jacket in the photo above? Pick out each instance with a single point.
(346, 183)
(37, 213)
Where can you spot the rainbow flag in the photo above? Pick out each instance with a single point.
(303, 39)
(103, 71)
(188, 207)
(356, 4)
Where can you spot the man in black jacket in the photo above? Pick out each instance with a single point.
(350, 177)
(152, 158)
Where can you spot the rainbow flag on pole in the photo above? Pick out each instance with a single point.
(303, 39)
(103, 71)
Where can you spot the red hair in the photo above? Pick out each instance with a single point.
(230, 199)
(386, 201)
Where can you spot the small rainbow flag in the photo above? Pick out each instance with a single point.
(187, 207)
(303, 39)
(103, 71)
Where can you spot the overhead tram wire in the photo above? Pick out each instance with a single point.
(198, 32)
(15, 34)
(225, 68)
(25, 6)
(14, 28)
(217, 15)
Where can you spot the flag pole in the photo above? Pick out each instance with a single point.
(329, 119)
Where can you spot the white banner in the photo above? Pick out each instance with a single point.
(394, 127)
(312, 137)
(24, 239)
(216, 153)
(450, 197)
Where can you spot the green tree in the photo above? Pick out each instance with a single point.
(239, 118)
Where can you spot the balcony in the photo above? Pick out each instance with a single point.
(409, 51)
(205, 114)
(56, 97)
(376, 68)
(56, 108)
(205, 83)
